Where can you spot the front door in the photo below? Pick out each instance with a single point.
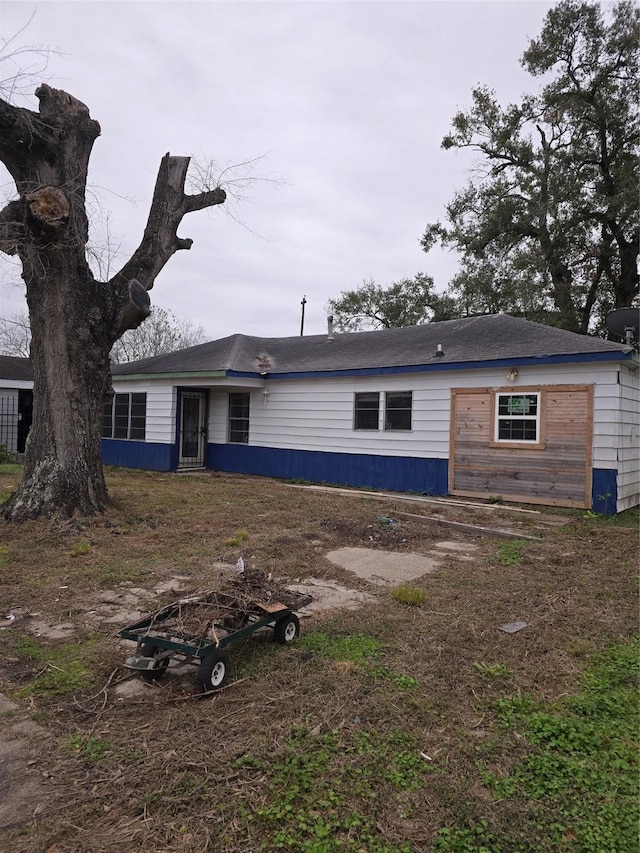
(193, 429)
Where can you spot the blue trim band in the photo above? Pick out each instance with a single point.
(604, 491)
(439, 366)
(392, 473)
(139, 454)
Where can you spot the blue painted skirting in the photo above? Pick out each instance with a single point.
(389, 473)
(392, 473)
(604, 490)
(139, 454)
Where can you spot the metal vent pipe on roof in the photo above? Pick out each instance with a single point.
(330, 327)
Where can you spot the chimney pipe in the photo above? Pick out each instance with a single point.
(330, 327)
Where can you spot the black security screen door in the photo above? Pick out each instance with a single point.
(192, 429)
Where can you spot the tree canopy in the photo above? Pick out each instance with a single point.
(547, 227)
(408, 302)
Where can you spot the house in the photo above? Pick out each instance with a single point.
(478, 407)
(16, 402)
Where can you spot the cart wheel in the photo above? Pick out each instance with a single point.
(214, 671)
(286, 629)
(148, 650)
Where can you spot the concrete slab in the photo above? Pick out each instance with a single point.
(133, 688)
(23, 766)
(464, 547)
(61, 631)
(328, 595)
(383, 567)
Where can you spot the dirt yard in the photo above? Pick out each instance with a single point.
(374, 732)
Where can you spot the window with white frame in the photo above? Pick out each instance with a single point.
(366, 410)
(518, 417)
(125, 416)
(397, 410)
(239, 418)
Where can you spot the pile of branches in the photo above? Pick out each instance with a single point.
(207, 616)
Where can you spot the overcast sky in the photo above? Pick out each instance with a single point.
(345, 104)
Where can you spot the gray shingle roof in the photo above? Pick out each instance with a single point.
(472, 339)
(15, 368)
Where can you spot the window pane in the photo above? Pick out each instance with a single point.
(516, 430)
(238, 433)
(517, 417)
(138, 416)
(121, 416)
(107, 412)
(398, 410)
(366, 414)
(518, 404)
(239, 418)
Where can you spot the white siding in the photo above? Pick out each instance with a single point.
(317, 414)
(629, 440)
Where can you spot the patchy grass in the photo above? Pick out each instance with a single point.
(386, 729)
(56, 671)
(492, 670)
(351, 647)
(412, 596)
(575, 786)
(80, 549)
(510, 552)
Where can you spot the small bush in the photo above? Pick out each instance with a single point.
(6, 458)
(237, 539)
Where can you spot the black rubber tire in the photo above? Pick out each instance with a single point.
(286, 629)
(151, 651)
(214, 671)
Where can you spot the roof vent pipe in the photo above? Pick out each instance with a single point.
(439, 352)
(330, 327)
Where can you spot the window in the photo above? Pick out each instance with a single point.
(366, 411)
(518, 417)
(125, 416)
(239, 418)
(397, 414)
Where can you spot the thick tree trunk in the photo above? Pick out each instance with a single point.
(70, 359)
(75, 320)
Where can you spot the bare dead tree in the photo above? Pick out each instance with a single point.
(15, 335)
(75, 319)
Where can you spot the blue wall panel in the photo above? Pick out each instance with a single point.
(138, 454)
(392, 473)
(604, 490)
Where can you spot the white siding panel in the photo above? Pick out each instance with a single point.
(629, 440)
(317, 414)
(218, 410)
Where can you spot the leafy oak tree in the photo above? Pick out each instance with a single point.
(75, 319)
(409, 302)
(548, 225)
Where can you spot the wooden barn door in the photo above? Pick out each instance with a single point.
(553, 470)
